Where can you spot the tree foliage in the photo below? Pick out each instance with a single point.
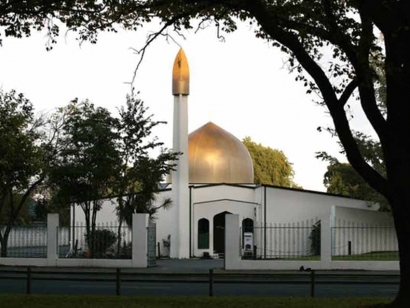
(270, 166)
(137, 181)
(108, 157)
(343, 179)
(87, 165)
(22, 164)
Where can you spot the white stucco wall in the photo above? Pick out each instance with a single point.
(208, 193)
(296, 206)
(209, 210)
(290, 215)
(165, 221)
(365, 230)
(106, 214)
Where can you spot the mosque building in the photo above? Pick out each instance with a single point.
(214, 177)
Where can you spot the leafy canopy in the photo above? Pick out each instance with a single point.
(140, 173)
(270, 166)
(23, 160)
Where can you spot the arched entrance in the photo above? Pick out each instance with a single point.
(219, 232)
(203, 233)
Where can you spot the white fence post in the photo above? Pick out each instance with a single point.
(140, 240)
(52, 225)
(232, 241)
(326, 238)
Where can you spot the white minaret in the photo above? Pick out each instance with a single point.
(180, 177)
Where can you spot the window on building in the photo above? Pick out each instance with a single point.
(203, 233)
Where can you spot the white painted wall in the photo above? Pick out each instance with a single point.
(107, 214)
(295, 206)
(217, 192)
(209, 210)
(206, 202)
(290, 216)
(287, 209)
(165, 221)
(367, 231)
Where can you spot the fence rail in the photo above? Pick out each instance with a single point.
(211, 279)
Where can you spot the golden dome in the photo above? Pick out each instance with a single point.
(216, 156)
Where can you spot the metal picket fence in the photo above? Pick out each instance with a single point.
(105, 242)
(356, 241)
(26, 241)
(298, 240)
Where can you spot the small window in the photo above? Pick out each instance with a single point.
(203, 233)
(247, 225)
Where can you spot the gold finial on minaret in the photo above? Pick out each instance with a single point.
(180, 75)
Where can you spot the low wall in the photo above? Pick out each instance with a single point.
(139, 251)
(233, 259)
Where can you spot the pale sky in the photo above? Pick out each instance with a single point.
(241, 84)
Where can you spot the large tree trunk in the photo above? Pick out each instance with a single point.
(397, 155)
(398, 175)
(401, 213)
(4, 242)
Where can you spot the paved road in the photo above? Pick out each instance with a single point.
(196, 289)
(254, 284)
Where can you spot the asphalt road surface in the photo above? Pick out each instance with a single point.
(195, 273)
(199, 286)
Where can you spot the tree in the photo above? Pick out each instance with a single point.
(139, 176)
(270, 166)
(21, 159)
(86, 167)
(303, 29)
(47, 201)
(342, 179)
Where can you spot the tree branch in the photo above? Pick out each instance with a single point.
(150, 39)
(348, 92)
(25, 196)
(365, 80)
(289, 40)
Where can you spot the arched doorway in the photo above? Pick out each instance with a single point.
(219, 232)
(203, 233)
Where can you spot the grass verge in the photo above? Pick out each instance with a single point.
(60, 301)
(370, 256)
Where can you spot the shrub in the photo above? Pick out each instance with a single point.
(100, 241)
(315, 239)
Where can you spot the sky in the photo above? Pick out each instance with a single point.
(242, 84)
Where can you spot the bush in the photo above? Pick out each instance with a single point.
(100, 241)
(315, 239)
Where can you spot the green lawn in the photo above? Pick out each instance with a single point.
(48, 301)
(370, 256)
(300, 258)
